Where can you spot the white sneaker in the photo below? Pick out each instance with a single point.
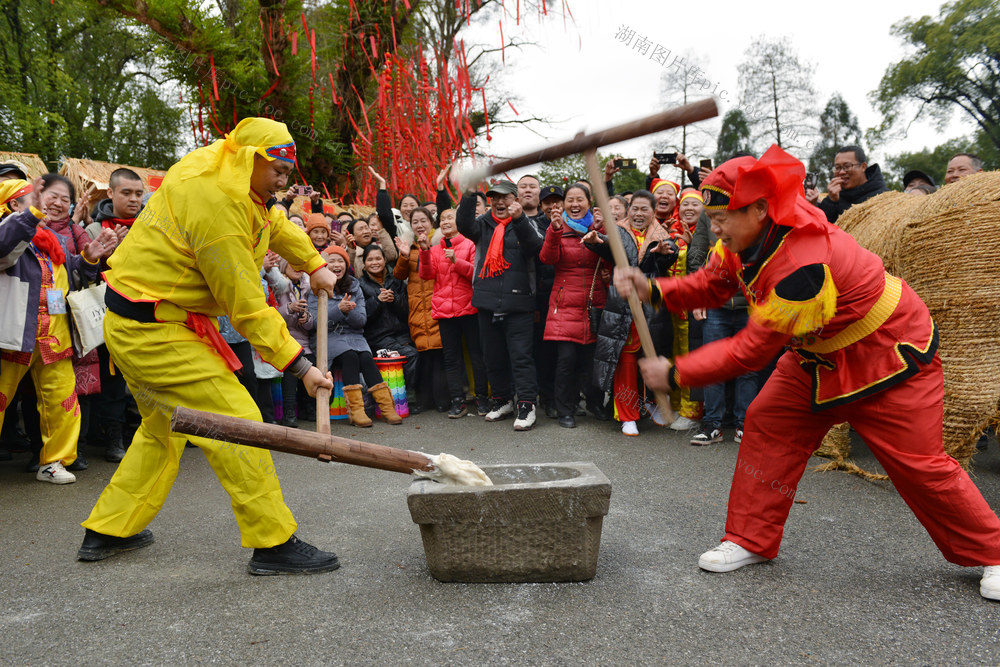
(629, 428)
(55, 473)
(525, 416)
(683, 424)
(500, 411)
(727, 557)
(655, 414)
(989, 585)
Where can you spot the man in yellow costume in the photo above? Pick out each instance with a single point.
(193, 254)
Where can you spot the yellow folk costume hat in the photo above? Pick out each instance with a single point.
(10, 190)
(232, 158)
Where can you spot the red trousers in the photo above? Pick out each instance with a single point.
(902, 428)
(628, 400)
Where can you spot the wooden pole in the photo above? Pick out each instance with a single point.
(322, 394)
(298, 442)
(664, 120)
(621, 260)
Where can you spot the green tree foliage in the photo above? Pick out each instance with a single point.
(72, 76)
(837, 127)
(954, 65)
(568, 170)
(734, 136)
(777, 95)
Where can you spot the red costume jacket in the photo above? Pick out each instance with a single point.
(855, 329)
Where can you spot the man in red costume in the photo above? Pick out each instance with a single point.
(863, 350)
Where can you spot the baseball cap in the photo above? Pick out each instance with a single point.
(14, 168)
(916, 173)
(551, 191)
(502, 187)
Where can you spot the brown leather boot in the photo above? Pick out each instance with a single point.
(383, 397)
(356, 406)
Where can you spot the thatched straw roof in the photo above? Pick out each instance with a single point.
(34, 163)
(83, 173)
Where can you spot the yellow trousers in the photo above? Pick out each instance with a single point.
(680, 398)
(167, 365)
(58, 407)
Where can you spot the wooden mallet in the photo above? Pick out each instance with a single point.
(322, 363)
(588, 144)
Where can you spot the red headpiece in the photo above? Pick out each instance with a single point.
(284, 152)
(776, 177)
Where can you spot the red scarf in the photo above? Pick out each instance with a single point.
(110, 223)
(46, 241)
(495, 264)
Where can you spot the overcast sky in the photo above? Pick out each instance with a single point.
(582, 78)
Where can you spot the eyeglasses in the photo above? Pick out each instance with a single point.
(845, 167)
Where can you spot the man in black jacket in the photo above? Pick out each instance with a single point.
(853, 182)
(117, 213)
(503, 289)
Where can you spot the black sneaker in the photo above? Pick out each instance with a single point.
(706, 436)
(115, 452)
(525, 416)
(80, 463)
(483, 405)
(458, 409)
(567, 421)
(292, 557)
(290, 421)
(97, 546)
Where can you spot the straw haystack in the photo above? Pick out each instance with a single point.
(36, 167)
(83, 173)
(942, 245)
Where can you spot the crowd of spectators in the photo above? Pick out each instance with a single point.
(501, 307)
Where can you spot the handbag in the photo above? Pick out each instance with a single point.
(86, 312)
(594, 314)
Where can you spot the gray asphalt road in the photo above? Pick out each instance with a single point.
(857, 580)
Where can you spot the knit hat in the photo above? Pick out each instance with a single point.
(333, 249)
(316, 221)
(659, 182)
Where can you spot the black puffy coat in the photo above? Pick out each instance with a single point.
(513, 291)
(875, 185)
(387, 325)
(616, 320)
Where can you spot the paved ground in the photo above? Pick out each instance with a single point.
(857, 581)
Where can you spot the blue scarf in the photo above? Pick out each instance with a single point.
(581, 226)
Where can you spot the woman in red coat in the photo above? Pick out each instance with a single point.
(450, 265)
(577, 289)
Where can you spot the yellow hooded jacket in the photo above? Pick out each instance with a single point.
(199, 243)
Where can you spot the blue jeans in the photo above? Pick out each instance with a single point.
(723, 323)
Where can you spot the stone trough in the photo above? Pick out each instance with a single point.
(537, 523)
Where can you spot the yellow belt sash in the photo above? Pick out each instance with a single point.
(873, 319)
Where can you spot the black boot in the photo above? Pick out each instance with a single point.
(97, 546)
(115, 451)
(292, 557)
(288, 417)
(81, 461)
